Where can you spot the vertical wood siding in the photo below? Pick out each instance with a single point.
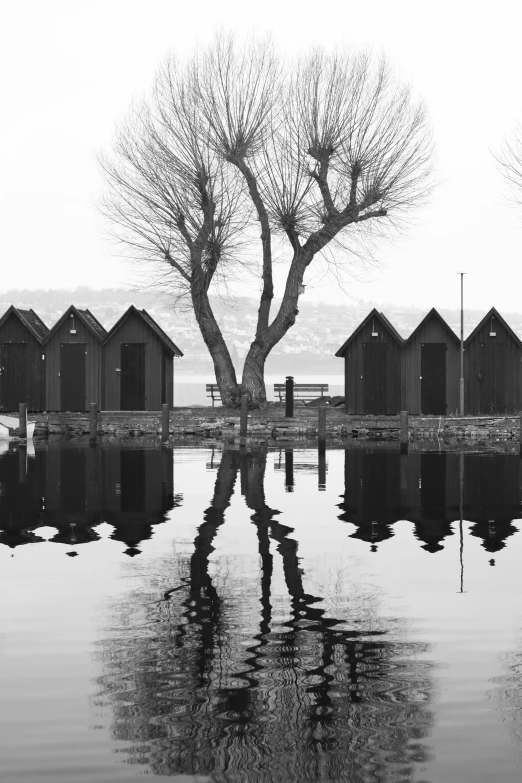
(169, 379)
(354, 370)
(93, 363)
(134, 330)
(508, 370)
(432, 331)
(14, 331)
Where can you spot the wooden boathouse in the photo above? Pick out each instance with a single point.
(74, 361)
(431, 368)
(138, 364)
(22, 360)
(372, 367)
(493, 368)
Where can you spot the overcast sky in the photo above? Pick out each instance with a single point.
(70, 69)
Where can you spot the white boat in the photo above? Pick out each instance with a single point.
(12, 422)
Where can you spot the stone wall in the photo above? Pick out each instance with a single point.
(218, 423)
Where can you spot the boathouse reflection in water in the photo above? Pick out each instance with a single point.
(432, 490)
(74, 488)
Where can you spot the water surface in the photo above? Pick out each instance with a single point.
(349, 615)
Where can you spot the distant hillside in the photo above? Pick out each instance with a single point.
(308, 349)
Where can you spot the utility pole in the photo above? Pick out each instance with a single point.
(461, 395)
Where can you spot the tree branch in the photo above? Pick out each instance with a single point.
(267, 293)
(320, 175)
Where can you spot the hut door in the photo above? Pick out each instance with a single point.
(72, 376)
(133, 480)
(132, 377)
(433, 374)
(13, 380)
(375, 377)
(433, 486)
(491, 374)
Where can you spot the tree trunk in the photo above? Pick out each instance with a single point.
(226, 379)
(253, 380)
(254, 368)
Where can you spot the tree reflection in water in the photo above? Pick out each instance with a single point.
(310, 699)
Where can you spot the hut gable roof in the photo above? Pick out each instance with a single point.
(149, 320)
(433, 313)
(86, 317)
(94, 323)
(493, 312)
(384, 323)
(30, 320)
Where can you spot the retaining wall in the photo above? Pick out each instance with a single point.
(272, 425)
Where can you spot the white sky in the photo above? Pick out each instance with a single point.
(69, 71)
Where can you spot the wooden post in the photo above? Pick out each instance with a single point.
(93, 423)
(321, 453)
(321, 423)
(289, 397)
(165, 421)
(22, 419)
(289, 470)
(243, 418)
(404, 439)
(520, 435)
(22, 463)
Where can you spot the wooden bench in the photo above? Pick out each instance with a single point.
(213, 391)
(302, 391)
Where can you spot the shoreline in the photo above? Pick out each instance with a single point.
(271, 425)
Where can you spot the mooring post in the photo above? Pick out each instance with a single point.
(321, 423)
(165, 421)
(289, 397)
(403, 435)
(243, 418)
(289, 470)
(321, 453)
(22, 463)
(93, 423)
(22, 419)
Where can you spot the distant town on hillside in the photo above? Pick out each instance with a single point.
(308, 348)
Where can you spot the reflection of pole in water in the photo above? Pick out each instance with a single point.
(461, 504)
(289, 470)
(321, 453)
(22, 463)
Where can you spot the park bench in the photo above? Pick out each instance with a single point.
(302, 391)
(213, 391)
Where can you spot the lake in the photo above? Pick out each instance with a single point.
(274, 615)
(190, 389)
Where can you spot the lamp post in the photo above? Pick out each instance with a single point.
(461, 395)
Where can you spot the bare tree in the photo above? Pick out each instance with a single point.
(509, 161)
(235, 141)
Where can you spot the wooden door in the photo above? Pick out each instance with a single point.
(433, 486)
(72, 377)
(492, 369)
(133, 480)
(132, 394)
(433, 379)
(13, 379)
(73, 481)
(375, 378)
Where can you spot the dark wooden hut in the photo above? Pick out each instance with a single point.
(22, 360)
(493, 368)
(372, 364)
(431, 368)
(137, 491)
(138, 364)
(74, 361)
